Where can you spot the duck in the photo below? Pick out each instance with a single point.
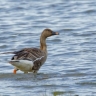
(31, 59)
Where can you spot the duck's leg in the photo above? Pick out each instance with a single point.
(35, 74)
(15, 70)
(25, 72)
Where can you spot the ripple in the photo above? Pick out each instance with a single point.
(88, 84)
(85, 34)
(90, 11)
(3, 46)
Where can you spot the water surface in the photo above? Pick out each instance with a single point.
(70, 66)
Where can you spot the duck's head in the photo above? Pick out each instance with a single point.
(48, 32)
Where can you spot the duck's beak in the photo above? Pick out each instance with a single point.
(55, 33)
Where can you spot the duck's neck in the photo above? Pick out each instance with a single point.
(43, 45)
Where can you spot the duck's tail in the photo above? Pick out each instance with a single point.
(7, 52)
(23, 65)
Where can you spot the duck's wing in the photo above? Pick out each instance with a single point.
(31, 54)
(35, 55)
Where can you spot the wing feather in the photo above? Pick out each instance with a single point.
(35, 55)
(28, 54)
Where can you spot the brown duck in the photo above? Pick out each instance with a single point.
(31, 59)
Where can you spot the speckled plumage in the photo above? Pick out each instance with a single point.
(31, 54)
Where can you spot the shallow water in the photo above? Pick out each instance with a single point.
(70, 66)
